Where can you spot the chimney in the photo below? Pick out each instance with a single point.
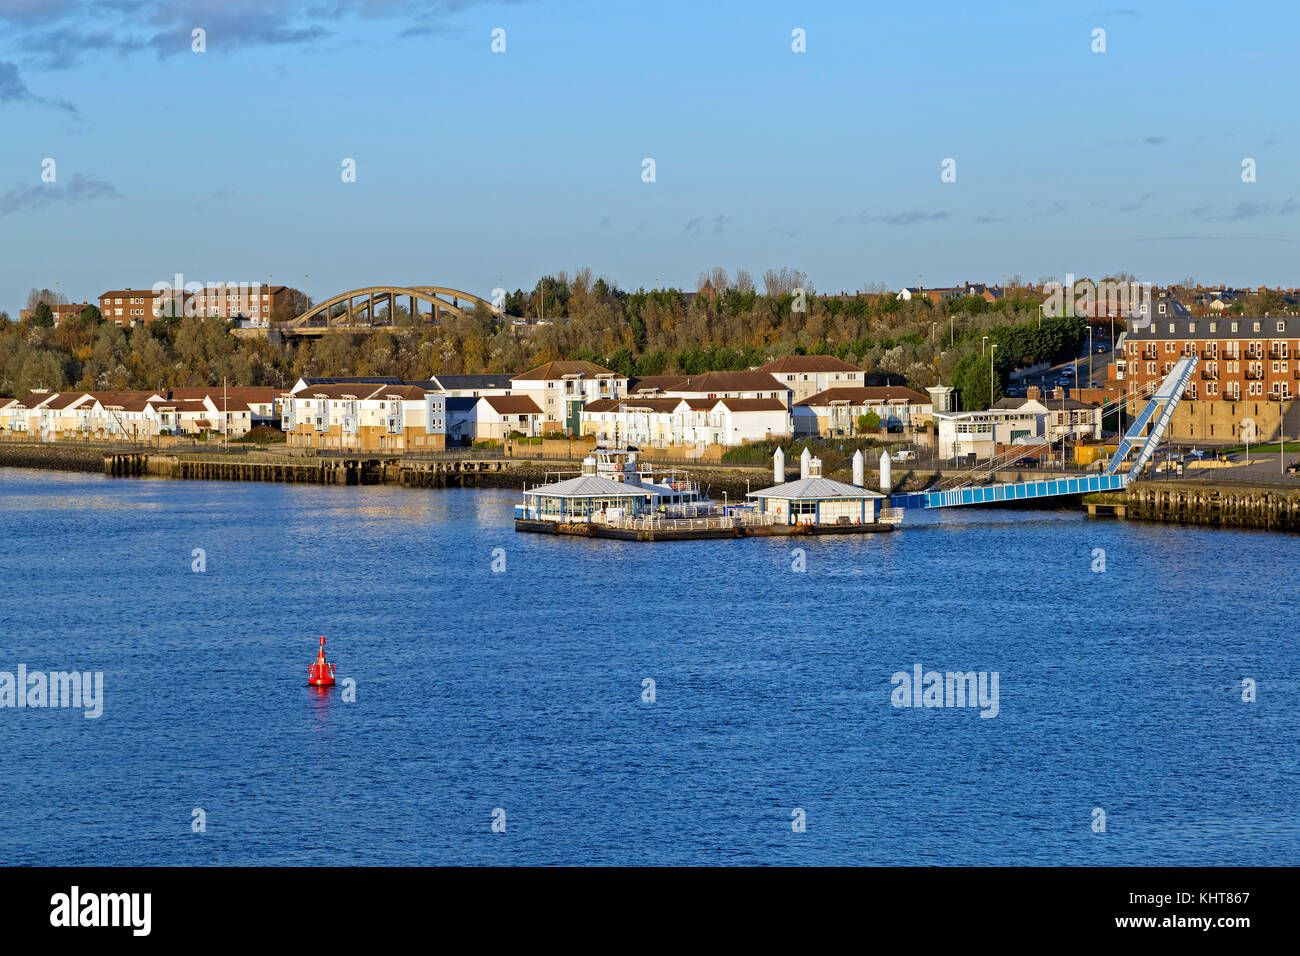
(1033, 392)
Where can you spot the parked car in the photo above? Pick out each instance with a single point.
(902, 456)
(1026, 462)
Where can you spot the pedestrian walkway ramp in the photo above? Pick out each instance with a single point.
(1155, 416)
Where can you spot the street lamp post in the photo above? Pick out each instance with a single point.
(992, 350)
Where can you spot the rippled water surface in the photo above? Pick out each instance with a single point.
(522, 690)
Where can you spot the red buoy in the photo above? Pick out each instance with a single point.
(321, 674)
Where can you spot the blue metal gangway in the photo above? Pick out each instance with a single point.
(1158, 412)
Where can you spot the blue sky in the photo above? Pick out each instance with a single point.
(477, 168)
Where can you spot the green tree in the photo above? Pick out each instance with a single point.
(869, 422)
(971, 379)
(42, 315)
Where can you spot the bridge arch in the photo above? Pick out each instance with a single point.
(441, 298)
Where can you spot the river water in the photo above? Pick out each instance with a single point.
(521, 695)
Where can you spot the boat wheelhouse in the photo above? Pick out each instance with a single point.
(670, 490)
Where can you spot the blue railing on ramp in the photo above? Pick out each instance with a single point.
(1011, 491)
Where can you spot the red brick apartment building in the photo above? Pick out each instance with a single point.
(128, 307)
(61, 313)
(1249, 371)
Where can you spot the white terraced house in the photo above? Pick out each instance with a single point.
(382, 416)
(562, 389)
(806, 375)
(686, 421)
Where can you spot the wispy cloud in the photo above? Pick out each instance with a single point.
(1137, 204)
(1143, 141)
(14, 90)
(1213, 239)
(697, 226)
(78, 189)
(59, 34)
(906, 218)
(1247, 209)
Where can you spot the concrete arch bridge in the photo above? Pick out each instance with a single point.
(358, 309)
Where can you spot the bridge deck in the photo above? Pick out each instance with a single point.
(1011, 491)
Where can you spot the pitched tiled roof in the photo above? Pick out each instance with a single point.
(127, 401)
(808, 363)
(589, 486)
(253, 394)
(64, 400)
(753, 404)
(642, 403)
(471, 382)
(867, 394)
(556, 370)
(357, 390)
(731, 382)
(815, 487)
(512, 404)
(37, 398)
(406, 393)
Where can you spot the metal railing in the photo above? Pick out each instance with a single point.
(654, 522)
(451, 454)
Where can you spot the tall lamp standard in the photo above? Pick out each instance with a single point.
(992, 350)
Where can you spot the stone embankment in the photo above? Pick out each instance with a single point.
(451, 470)
(1223, 504)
